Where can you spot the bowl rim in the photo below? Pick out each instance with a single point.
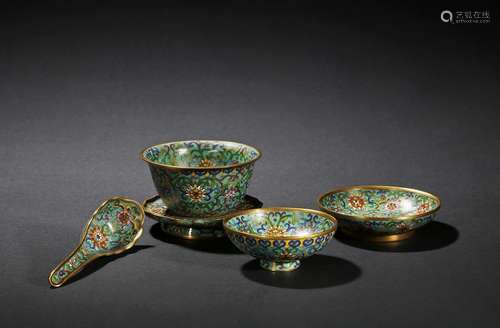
(383, 187)
(274, 209)
(199, 168)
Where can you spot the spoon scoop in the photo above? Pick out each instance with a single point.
(114, 227)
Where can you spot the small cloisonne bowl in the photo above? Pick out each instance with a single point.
(201, 178)
(380, 213)
(280, 236)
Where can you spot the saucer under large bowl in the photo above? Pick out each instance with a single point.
(201, 178)
(280, 236)
(187, 227)
(380, 213)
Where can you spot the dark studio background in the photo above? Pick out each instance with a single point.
(332, 93)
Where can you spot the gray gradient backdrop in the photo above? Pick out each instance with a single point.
(355, 94)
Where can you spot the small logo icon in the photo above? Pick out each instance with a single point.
(446, 16)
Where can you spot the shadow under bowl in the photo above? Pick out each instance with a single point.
(380, 213)
(280, 236)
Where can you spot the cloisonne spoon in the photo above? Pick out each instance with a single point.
(114, 227)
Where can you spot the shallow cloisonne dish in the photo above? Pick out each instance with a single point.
(114, 227)
(187, 227)
(200, 178)
(281, 236)
(380, 213)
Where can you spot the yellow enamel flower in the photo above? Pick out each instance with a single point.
(275, 232)
(206, 163)
(195, 193)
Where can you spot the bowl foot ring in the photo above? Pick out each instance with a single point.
(279, 266)
(382, 238)
(185, 232)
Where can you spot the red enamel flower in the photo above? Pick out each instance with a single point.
(124, 217)
(98, 237)
(391, 205)
(356, 202)
(230, 193)
(423, 208)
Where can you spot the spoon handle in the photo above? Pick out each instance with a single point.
(70, 266)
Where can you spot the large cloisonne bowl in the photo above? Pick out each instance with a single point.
(380, 213)
(201, 178)
(280, 237)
